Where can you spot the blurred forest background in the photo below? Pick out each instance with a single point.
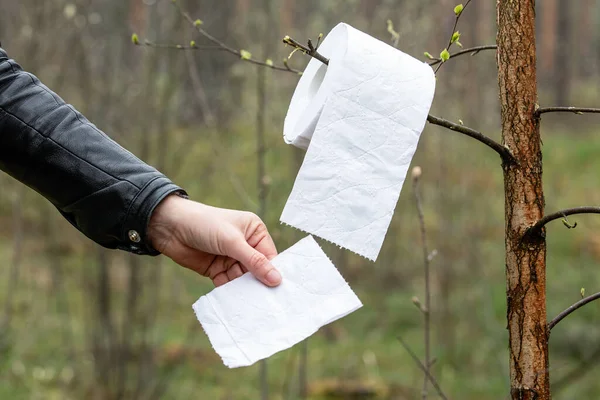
(78, 321)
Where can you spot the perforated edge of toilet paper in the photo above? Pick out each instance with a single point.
(246, 321)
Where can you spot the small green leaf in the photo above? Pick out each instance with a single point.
(455, 37)
(428, 55)
(459, 44)
(582, 292)
(567, 224)
(269, 62)
(460, 121)
(245, 54)
(444, 55)
(198, 22)
(458, 9)
(135, 39)
(292, 53)
(391, 30)
(193, 43)
(390, 26)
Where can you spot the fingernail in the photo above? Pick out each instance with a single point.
(273, 277)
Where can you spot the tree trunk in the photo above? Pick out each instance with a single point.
(524, 202)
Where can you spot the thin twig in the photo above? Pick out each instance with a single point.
(572, 308)
(309, 51)
(453, 30)
(575, 110)
(217, 146)
(536, 229)
(191, 46)
(503, 151)
(416, 174)
(423, 368)
(471, 50)
(224, 47)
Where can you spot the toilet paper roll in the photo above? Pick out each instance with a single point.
(360, 119)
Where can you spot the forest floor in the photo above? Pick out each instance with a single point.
(46, 352)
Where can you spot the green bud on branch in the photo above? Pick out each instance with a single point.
(391, 30)
(455, 37)
(269, 62)
(134, 39)
(245, 54)
(458, 9)
(444, 55)
(197, 23)
(428, 55)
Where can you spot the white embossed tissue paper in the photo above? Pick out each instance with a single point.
(247, 321)
(360, 119)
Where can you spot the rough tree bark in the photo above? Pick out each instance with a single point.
(524, 202)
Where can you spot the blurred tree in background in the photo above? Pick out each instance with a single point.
(77, 321)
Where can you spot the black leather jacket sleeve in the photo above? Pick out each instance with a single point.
(98, 186)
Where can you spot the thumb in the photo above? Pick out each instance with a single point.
(256, 263)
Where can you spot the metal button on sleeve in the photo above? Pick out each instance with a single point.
(134, 236)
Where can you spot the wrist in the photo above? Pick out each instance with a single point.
(161, 227)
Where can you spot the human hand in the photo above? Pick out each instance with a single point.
(218, 243)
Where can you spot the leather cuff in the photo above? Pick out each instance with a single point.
(134, 236)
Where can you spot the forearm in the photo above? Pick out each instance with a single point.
(101, 188)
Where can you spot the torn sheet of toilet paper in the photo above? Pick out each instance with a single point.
(247, 321)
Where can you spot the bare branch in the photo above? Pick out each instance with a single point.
(471, 50)
(416, 174)
(450, 42)
(572, 308)
(191, 46)
(537, 228)
(218, 45)
(503, 151)
(309, 51)
(574, 110)
(423, 368)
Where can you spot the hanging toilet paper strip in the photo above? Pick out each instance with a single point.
(360, 119)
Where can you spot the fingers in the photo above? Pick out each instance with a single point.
(256, 263)
(220, 279)
(235, 271)
(262, 241)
